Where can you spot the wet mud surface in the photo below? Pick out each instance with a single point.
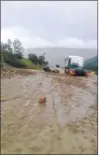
(67, 123)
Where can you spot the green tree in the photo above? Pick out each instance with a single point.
(18, 48)
(33, 58)
(4, 47)
(42, 60)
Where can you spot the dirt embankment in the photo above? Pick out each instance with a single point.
(67, 123)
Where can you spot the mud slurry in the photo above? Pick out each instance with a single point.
(67, 123)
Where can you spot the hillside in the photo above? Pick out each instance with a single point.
(56, 55)
(92, 63)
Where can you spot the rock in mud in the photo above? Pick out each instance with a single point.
(42, 100)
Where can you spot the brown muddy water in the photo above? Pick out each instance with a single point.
(67, 123)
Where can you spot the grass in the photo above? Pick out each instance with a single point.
(28, 64)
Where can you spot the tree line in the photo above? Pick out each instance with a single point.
(12, 53)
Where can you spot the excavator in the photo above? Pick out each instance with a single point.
(74, 66)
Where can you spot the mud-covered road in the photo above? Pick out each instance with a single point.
(67, 123)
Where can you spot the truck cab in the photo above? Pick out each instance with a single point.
(73, 63)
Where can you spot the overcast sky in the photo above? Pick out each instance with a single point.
(48, 23)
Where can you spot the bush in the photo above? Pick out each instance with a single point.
(19, 55)
(15, 61)
(26, 63)
(12, 59)
(33, 58)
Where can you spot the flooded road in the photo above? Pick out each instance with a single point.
(67, 123)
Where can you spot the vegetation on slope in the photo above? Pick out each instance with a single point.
(12, 54)
(92, 64)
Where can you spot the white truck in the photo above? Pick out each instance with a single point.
(74, 60)
(74, 65)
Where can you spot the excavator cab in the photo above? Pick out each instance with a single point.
(73, 64)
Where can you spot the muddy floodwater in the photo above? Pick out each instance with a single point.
(67, 123)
